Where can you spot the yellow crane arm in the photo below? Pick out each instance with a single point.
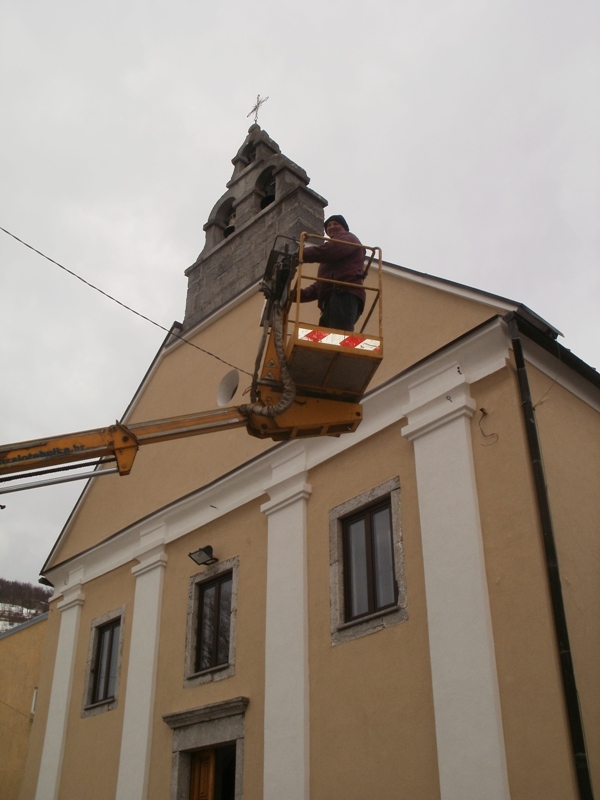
(306, 417)
(119, 441)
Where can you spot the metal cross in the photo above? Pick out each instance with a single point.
(259, 101)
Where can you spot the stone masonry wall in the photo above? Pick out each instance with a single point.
(239, 261)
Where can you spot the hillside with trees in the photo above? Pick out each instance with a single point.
(20, 602)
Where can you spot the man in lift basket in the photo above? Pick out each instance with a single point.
(340, 306)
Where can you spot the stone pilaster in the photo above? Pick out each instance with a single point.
(468, 720)
(60, 697)
(134, 762)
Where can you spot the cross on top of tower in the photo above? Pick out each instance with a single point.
(259, 102)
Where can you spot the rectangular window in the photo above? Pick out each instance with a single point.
(103, 666)
(367, 580)
(214, 618)
(211, 621)
(106, 662)
(370, 582)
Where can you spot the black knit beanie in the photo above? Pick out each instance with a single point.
(337, 218)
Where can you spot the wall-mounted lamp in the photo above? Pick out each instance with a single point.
(203, 556)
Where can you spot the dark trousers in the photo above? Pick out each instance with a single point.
(341, 311)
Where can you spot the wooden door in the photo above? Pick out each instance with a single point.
(202, 782)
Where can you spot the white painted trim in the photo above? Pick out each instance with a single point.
(468, 717)
(134, 762)
(286, 726)
(48, 784)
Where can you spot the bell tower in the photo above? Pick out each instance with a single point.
(267, 196)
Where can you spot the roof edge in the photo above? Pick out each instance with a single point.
(528, 327)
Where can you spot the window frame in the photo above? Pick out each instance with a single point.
(366, 514)
(201, 589)
(99, 624)
(198, 583)
(345, 629)
(101, 685)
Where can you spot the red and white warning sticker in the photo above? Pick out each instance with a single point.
(355, 342)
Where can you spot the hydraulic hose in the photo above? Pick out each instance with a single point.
(289, 387)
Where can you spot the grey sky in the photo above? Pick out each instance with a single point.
(461, 137)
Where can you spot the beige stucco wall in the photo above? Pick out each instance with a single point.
(21, 653)
(371, 723)
(419, 319)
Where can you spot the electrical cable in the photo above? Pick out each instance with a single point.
(28, 716)
(128, 308)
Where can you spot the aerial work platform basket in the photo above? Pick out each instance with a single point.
(323, 362)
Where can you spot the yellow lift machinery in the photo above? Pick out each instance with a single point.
(308, 381)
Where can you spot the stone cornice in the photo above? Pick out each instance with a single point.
(212, 711)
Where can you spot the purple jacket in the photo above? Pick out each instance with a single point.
(340, 263)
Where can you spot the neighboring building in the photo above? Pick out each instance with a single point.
(381, 621)
(21, 650)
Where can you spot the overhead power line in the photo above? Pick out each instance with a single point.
(123, 305)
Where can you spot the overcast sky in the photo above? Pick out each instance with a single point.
(461, 136)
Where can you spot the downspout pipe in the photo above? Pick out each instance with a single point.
(558, 607)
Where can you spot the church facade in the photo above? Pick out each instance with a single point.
(385, 608)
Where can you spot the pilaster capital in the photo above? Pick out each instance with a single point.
(437, 391)
(150, 560)
(72, 598)
(286, 493)
(437, 399)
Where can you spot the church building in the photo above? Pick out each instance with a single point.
(408, 611)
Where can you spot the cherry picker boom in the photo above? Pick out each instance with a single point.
(308, 381)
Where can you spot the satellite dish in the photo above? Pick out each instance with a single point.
(228, 387)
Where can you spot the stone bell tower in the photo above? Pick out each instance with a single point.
(267, 196)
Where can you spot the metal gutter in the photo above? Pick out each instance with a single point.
(580, 758)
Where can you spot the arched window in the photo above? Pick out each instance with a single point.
(226, 216)
(265, 186)
(249, 153)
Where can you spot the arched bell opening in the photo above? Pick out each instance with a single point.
(249, 153)
(265, 187)
(226, 216)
